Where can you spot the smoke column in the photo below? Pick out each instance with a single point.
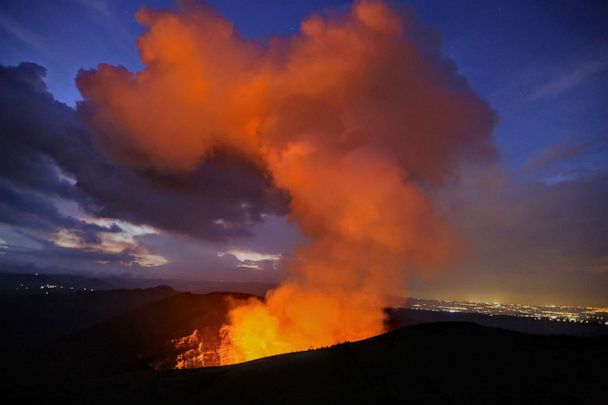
(355, 117)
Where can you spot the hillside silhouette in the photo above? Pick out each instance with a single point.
(121, 360)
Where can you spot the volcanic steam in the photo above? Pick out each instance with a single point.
(355, 117)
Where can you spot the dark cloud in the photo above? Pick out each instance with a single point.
(46, 152)
(219, 200)
(32, 131)
(31, 210)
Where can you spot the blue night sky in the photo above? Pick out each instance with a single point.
(541, 65)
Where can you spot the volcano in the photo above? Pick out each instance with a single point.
(138, 357)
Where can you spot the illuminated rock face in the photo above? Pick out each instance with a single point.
(200, 349)
(186, 331)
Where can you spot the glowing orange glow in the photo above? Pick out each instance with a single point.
(351, 117)
(365, 224)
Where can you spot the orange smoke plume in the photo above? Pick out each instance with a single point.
(354, 117)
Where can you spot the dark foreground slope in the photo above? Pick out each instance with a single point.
(447, 363)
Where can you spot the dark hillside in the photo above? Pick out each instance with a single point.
(35, 320)
(447, 363)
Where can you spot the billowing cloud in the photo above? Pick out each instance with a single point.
(353, 117)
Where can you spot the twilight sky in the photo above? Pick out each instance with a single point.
(534, 218)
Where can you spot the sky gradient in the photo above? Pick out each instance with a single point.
(534, 217)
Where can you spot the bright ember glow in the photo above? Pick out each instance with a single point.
(351, 116)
